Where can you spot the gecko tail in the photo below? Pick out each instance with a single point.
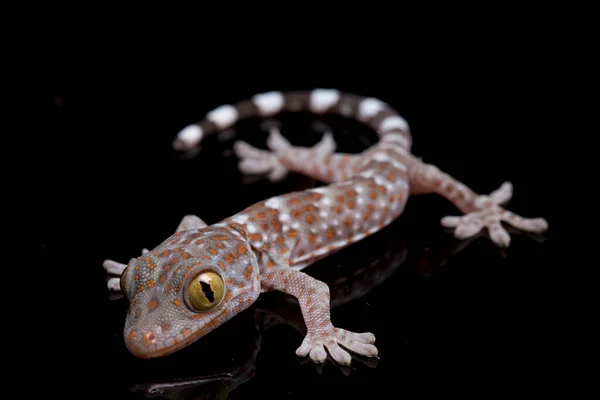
(376, 114)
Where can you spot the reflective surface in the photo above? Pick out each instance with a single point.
(450, 317)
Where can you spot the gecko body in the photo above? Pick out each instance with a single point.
(202, 276)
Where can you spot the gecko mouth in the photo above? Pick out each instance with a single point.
(153, 343)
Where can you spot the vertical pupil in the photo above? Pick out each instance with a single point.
(208, 292)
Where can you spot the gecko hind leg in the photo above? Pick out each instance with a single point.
(481, 211)
(490, 215)
(258, 161)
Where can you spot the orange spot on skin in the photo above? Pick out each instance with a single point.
(366, 216)
(265, 227)
(132, 335)
(228, 258)
(248, 272)
(284, 250)
(178, 233)
(220, 245)
(270, 276)
(162, 278)
(382, 190)
(351, 204)
(152, 305)
(350, 193)
(261, 215)
(234, 254)
(150, 283)
(199, 241)
(242, 249)
(165, 326)
(316, 195)
(276, 226)
(270, 264)
(331, 247)
(273, 211)
(339, 198)
(140, 288)
(338, 209)
(137, 268)
(312, 237)
(220, 237)
(212, 251)
(256, 237)
(185, 332)
(136, 277)
(371, 207)
(177, 302)
(240, 285)
(196, 264)
(330, 234)
(292, 233)
(294, 202)
(221, 265)
(348, 221)
(310, 219)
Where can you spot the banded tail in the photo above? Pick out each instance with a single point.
(372, 112)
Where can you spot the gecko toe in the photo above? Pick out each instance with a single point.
(340, 355)
(318, 353)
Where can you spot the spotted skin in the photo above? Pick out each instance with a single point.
(265, 246)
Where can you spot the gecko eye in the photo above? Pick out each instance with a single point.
(206, 290)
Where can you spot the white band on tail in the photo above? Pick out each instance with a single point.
(323, 99)
(190, 135)
(223, 116)
(369, 107)
(269, 103)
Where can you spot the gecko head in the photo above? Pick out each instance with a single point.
(175, 299)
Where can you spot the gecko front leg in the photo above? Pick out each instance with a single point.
(314, 300)
(482, 211)
(116, 268)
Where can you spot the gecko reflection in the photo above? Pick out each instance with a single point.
(346, 286)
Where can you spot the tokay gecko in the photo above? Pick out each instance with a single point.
(203, 275)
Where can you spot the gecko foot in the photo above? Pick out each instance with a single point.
(359, 343)
(490, 215)
(258, 161)
(115, 268)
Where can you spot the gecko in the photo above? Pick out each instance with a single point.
(203, 275)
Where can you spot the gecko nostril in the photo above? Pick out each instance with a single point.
(149, 337)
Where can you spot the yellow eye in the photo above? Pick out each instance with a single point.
(206, 290)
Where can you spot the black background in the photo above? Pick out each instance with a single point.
(482, 321)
